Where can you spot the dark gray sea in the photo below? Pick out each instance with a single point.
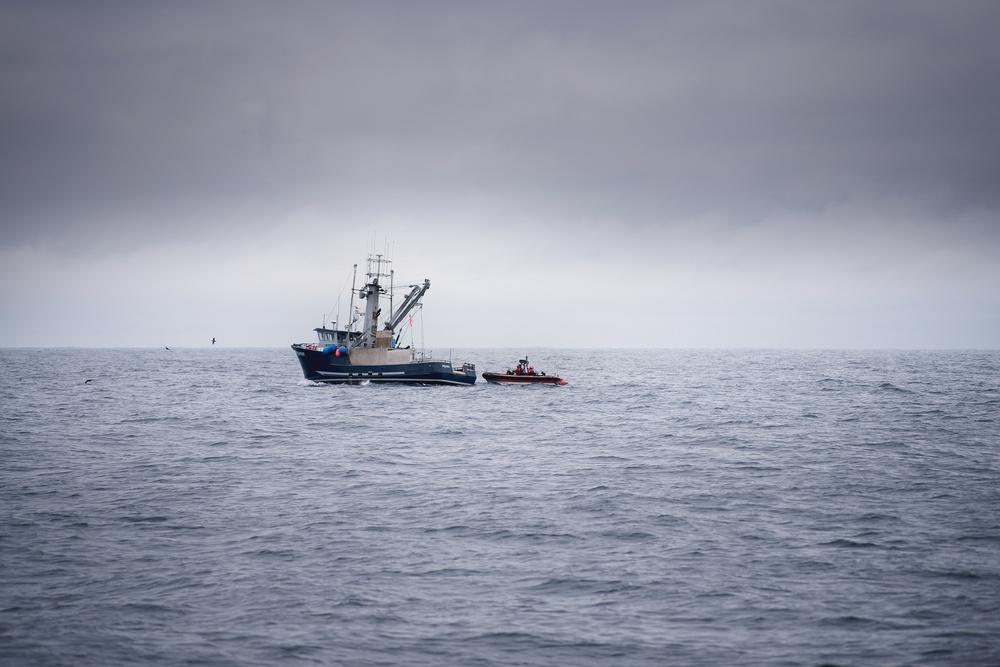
(210, 507)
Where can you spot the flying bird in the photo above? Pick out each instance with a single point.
(88, 381)
(213, 340)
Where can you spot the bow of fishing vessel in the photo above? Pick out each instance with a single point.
(524, 373)
(343, 355)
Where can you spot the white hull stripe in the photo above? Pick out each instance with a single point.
(375, 378)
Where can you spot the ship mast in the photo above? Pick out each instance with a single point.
(378, 268)
(350, 312)
(371, 293)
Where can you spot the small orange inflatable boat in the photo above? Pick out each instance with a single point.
(523, 374)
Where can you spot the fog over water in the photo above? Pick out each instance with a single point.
(651, 174)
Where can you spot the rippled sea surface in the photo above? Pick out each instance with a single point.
(211, 507)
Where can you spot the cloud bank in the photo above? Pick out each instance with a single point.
(567, 174)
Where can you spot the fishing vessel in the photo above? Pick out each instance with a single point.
(524, 373)
(344, 355)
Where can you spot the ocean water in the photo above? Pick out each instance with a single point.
(210, 507)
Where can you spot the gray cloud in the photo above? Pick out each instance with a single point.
(772, 173)
(118, 117)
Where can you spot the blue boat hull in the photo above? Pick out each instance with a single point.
(328, 368)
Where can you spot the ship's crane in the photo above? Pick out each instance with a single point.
(409, 302)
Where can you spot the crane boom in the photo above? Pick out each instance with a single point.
(408, 303)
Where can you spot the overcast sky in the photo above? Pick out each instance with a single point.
(567, 174)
